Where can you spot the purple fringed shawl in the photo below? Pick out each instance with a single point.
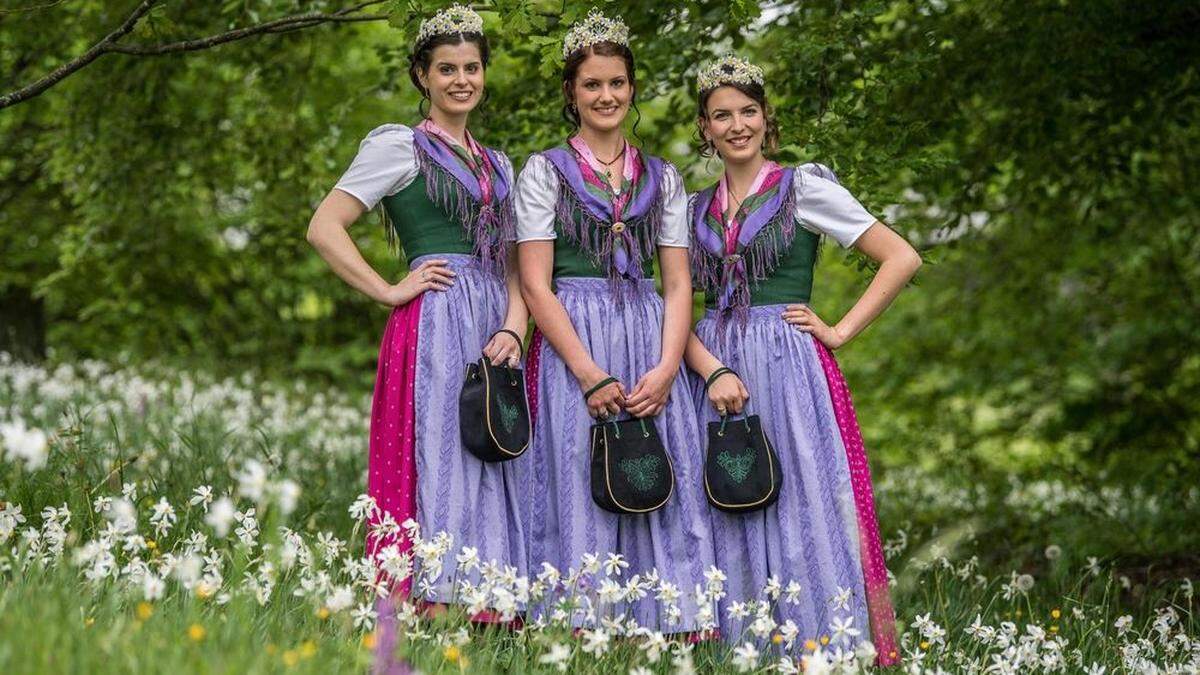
(586, 215)
(451, 184)
(765, 237)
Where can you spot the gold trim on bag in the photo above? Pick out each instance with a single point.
(770, 467)
(608, 483)
(487, 409)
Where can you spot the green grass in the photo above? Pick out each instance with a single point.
(264, 604)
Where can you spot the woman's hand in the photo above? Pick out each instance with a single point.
(650, 394)
(606, 401)
(430, 275)
(503, 348)
(728, 394)
(807, 321)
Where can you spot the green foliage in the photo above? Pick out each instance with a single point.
(1040, 153)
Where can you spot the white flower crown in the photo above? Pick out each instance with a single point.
(454, 20)
(728, 69)
(592, 30)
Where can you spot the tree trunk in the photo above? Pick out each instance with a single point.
(22, 324)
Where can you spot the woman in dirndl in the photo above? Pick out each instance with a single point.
(447, 201)
(591, 215)
(814, 556)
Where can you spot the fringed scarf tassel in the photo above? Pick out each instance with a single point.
(594, 236)
(488, 229)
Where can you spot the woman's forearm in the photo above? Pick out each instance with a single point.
(898, 262)
(516, 318)
(677, 304)
(698, 357)
(327, 233)
(677, 320)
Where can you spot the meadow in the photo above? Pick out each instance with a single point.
(160, 520)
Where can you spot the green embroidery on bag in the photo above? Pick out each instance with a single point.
(737, 466)
(641, 472)
(508, 413)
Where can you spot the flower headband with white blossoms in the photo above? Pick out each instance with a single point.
(454, 20)
(594, 29)
(728, 69)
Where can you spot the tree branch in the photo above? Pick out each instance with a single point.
(96, 51)
(111, 45)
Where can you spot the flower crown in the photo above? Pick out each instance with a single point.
(454, 20)
(594, 29)
(728, 69)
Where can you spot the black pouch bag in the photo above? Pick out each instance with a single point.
(631, 471)
(741, 469)
(493, 415)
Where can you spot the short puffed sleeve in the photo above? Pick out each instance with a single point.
(825, 207)
(535, 200)
(385, 164)
(675, 231)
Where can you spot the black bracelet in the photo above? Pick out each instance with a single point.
(520, 342)
(715, 374)
(599, 385)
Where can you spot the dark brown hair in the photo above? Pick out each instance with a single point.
(755, 92)
(422, 57)
(571, 70)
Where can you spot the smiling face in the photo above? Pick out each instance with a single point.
(602, 91)
(455, 78)
(735, 123)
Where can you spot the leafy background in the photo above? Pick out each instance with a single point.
(1040, 153)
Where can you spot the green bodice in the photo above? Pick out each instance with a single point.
(571, 261)
(421, 226)
(792, 279)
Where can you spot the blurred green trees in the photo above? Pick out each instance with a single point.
(1041, 153)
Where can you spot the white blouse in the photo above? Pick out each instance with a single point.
(824, 207)
(537, 194)
(386, 163)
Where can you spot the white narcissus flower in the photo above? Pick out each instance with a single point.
(817, 663)
(843, 631)
(287, 493)
(792, 593)
(558, 656)
(1123, 623)
(220, 516)
(467, 558)
(841, 599)
(364, 616)
(30, 446)
(252, 481)
(364, 507)
(10, 519)
(152, 587)
(595, 642)
(202, 496)
(615, 564)
(745, 657)
(341, 598)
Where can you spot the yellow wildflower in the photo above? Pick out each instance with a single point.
(144, 610)
(1055, 613)
(810, 645)
(368, 641)
(290, 658)
(451, 653)
(777, 639)
(323, 613)
(308, 649)
(196, 632)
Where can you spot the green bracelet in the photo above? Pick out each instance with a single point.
(715, 374)
(513, 333)
(599, 385)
